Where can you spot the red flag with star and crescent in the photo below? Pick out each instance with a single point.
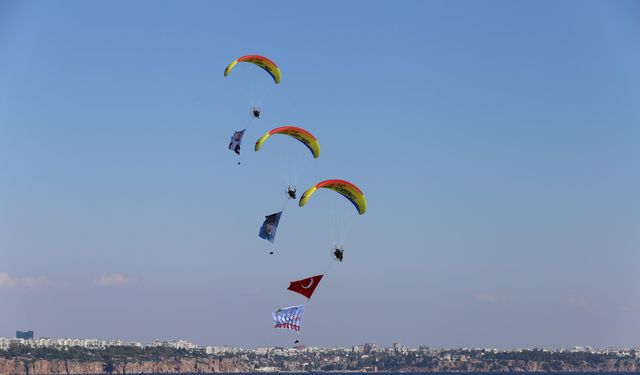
(305, 286)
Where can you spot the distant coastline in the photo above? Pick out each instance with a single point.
(25, 360)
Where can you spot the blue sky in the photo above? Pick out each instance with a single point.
(497, 144)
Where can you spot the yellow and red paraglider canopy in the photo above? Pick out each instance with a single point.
(298, 133)
(345, 188)
(261, 61)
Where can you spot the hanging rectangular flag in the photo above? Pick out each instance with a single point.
(268, 228)
(288, 317)
(236, 139)
(306, 287)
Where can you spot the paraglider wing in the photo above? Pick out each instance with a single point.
(288, 317)
(298, 133)
(261, 61)
(346, 188)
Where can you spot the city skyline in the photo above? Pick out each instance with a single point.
(221, 348)
(53, 356)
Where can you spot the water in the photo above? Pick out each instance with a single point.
(438, 373)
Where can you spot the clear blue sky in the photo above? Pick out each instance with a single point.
(497, 143)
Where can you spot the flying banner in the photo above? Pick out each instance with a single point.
(288, 317)
(269, 227)
(306, 287)
(236, 139)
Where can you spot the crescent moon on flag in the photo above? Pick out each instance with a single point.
(308, 286)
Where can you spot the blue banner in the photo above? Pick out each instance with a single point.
(268, 228)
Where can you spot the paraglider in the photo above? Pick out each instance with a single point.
(337, 253)
(345, 188)
(291, 192)
(297, 133)
(255, 112)
(302, 136)
(261, 61)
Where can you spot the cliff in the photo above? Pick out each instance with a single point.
(611, 365)
(21, 366)
(22, 360)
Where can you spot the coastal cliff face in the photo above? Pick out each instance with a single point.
(180, 365)
(23, 366)
(166, 366)
(528, 366)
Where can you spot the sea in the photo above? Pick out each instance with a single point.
(435, 373)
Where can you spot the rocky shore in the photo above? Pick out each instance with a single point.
(25, 360)
(26, 366)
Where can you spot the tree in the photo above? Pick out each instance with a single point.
(108, 365)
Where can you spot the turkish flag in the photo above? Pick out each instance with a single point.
(305, 286)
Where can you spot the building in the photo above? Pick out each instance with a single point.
(25, 335)
(4, 343)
